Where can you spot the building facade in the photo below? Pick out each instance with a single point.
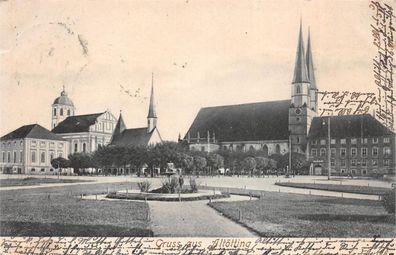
(359, 145)
(85, 133)
(30, 149)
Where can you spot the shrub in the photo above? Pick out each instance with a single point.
(170, 184)
(144, 186)
(388, 201)
(193, 185)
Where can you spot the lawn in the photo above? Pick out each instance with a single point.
(295, 215)
(54, 212)
(28, 181)
(367, 190)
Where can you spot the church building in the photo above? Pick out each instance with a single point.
(84, 133)
(266, 126)
(143, 136)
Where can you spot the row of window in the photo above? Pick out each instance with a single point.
(354, 152)
(241, 147)
(61, 112)
(43, 156)
(15, 143)
(104, 126)
(7, 157)
(362, 162)
(353, 141)
(43, 144)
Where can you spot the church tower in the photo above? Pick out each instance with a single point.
(311, 75)
(152, 114)
(62, 108)
(300, 112)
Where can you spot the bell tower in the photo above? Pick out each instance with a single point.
(62, 108)
(300, 111)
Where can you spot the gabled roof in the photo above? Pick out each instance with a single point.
(31, 131)
(352, 126)
(75, 124)
(133, 137)
(244, 122)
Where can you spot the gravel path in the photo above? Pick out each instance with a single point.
(186, 219)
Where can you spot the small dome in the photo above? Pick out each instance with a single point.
(64, 99)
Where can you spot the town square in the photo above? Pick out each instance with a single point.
(171, 119)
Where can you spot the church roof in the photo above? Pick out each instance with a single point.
(348, 126)
(75, 124)
(63, 99)
(244, 122)
(31, 131)
(300, 67)
(133, 137)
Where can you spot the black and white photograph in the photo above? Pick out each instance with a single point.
(197, 127)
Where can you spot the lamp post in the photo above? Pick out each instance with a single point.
(290, 153)
(328, 148)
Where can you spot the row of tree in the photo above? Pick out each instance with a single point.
(158, 156)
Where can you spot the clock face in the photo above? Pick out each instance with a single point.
(298, 111)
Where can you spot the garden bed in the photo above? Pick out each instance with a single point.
(366, 190)
(136, 195)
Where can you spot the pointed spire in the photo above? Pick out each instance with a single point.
(152, 111)
(300, 68)
(120, 127)
(310, 65)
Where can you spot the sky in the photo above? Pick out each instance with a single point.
(202, 53)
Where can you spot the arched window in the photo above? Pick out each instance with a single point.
(68, 112)
(54, 111)
(298, 139)
(84, 147)
(43, 157)
(61, 112)
(75, 147)
(251, 148)
(52, 156)
(298, 89)
(277, 149)
(265, 150)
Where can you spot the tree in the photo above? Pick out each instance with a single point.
(137, 157)
(281, 161)
(199, 163)
(249, 164)
(185, 161)
(215, 161)
(262, 164)
(299, 162)
(59, 163)
(163, 153)
(103, 157)
(80, 161)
